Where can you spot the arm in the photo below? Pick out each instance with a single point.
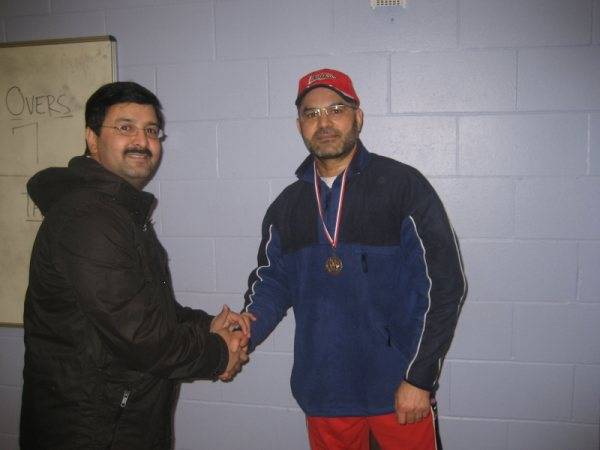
(129, 306)
(240, 322)
(433, 254)
(267, 297)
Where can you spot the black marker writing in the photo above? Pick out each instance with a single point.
(18, 104)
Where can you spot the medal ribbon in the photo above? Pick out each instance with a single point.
(332, 240)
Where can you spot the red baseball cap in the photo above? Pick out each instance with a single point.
(329, 78)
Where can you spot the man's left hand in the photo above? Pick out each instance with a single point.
(412, 404)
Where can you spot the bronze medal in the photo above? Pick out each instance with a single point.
(333, 265)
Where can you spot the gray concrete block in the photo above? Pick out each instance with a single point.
(462, 434)
(595, 143)
(589, 268)
(557, 333)
(190, 151)
(423, 25)
(518, 23)
(15, 332)
(87, 5)
(213, 90)
(478, 207)
(9, 441)
(157, 35)
(231, 426)
(512, 391)
(552, 436)
(289, 429)
(461, 81)
(558, 208)
(426, 143)
(144, 75)
(10, 398)
(520, 271)
(586, 398)
(48, 27)
(259, 148)
(25, 7)
(269, 376)
(236, 258)
(266, 28)
(268, 428)
(12, 332)
(240, 206)
(523, 145)
(559, 79)
(12, 350)
(484, 331)
(214, 208)
(201, 390)
(187, 208)
(596, 22)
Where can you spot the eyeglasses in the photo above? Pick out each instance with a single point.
(333, 111)
(129, 130)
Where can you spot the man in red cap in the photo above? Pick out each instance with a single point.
(361, 248)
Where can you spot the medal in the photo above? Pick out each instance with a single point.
(333, 264)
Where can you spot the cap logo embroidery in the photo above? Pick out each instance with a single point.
(320, 76)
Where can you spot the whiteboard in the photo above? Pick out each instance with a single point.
(43, 89)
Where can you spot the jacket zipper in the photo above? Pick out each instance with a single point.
(126, 394)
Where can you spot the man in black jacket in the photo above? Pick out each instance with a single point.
(106, 344)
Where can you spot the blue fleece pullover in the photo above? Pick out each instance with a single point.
(391, 313)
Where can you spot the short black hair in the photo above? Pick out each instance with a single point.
(118, 92)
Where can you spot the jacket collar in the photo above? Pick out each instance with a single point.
(139, 203)
(361, 158)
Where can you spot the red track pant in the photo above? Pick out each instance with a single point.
(352, 433)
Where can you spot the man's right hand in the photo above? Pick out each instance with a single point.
(236, 340)
(237, 344)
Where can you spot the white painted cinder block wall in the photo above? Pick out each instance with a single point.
(497, 102)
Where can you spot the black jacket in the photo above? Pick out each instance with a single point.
(105, 340)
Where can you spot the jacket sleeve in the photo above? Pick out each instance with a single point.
(438, 279)
(134, 314)
(268, 296)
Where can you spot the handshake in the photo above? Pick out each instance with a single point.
(234, 328)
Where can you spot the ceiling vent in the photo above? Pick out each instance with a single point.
(377, 3)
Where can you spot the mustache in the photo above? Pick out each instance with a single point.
(326, 132)
(139, 151)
